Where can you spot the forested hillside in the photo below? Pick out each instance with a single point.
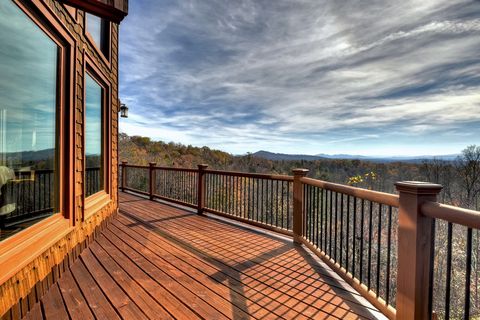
(460, 178)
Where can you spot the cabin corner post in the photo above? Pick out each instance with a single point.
(415, 234)
(298, 206)
(152, 179)
(201, 188)
(123, 182)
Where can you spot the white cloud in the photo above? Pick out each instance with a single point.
(259, 74)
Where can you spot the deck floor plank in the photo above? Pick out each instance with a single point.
(218, 293)
(276, 310)
(53, 306)
(158, 261)
(145, 302)
(172, 281)
(35, 313)
(119, 299)
(75, 303)
(98, 303)
(323, 300)
(171, 303)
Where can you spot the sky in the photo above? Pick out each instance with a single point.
(28, 70)
(368, 77)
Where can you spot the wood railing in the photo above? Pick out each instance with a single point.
(384, 245)
(33, 194)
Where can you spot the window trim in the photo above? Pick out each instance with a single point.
(98, 200)
(97, 48)
(20, 249)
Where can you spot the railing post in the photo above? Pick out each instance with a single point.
(415, 233)
(152, 179)
(298, 210)
(201, 188)
(124, 175)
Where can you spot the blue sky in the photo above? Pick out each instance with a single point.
(376, 77)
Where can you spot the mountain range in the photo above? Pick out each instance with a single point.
(296, 157)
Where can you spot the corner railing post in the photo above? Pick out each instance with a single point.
(415, 234)
(298, 207)
(152, 179)
(201, 188)
(124, 175)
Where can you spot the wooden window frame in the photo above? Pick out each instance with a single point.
(20, 249)
(97, 201)
(97, 48)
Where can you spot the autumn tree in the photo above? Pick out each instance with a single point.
(468, 168)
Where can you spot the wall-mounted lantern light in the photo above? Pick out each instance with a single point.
(123, 110)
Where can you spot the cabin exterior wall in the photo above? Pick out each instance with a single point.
(23, 281)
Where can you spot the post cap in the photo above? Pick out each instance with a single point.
(300, 172)
(202, 166)
(418, 187)
(152, 164)
(124, 162)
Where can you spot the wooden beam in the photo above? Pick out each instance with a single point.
(201, 187)
(415, 235)
(298, 210)
(113, 10)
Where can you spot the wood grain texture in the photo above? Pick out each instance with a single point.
(158, 261)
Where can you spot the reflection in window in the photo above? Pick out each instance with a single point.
(28, 148)
(99, 30)
(93, 137)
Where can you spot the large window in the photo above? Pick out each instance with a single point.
(28, 117)
(99, 31)
(94, 136)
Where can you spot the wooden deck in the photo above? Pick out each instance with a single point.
(156, 261)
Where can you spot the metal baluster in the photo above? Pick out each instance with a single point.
(331, 229)
(354, 234)
(288, 206)
(348, 234)
(379, 246)
(468, 274)
(341, 230)
(362, 219)
(370, 235)
(389, 243)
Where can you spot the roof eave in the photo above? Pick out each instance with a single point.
(113, 10)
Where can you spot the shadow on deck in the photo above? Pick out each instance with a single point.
(156, 261)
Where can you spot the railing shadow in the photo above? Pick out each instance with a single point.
(305, 285)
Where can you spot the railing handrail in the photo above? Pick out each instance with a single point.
(161, 168)
(135, 166)
(251, 175)
(465, 217)
(370, 195)
(220, 172)
(175, 169)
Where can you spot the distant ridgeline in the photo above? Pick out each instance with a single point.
(371, 173)
(41, 159)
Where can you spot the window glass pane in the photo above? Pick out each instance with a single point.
(28, 85)
(94, 25)
(99, 31)
(93, 137)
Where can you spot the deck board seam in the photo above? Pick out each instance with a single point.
(158, 284)
(319, 309)
(335, 279)
(199, 271)
(329, 284)
(182, 284)
(157, 281)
